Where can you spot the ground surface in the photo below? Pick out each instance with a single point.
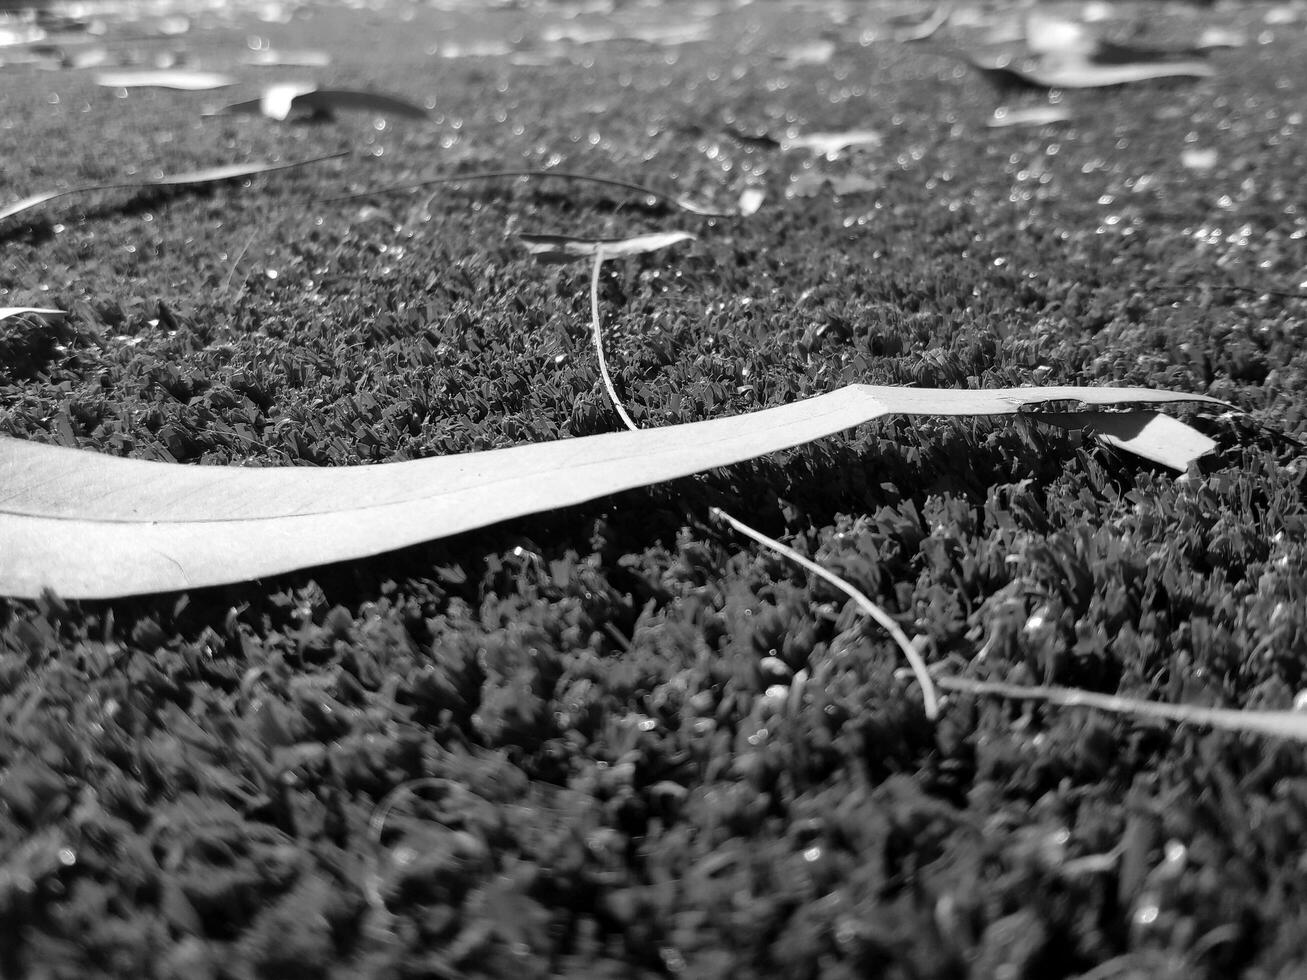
(616, 778)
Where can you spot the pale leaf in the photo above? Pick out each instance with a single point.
(1157, 437)
(565, 248)
(94, 526)
(1077, 74)
(282, 101)
(208, 175)
(27, 203)
(829, 144)
(1213, 38)
(1047, 33)
(923, 29)
(326, 101)
(187, 81)
(6, 312)
(277, 101)
(1035, 115)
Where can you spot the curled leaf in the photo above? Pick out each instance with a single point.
(565, 248)
(282, 101)
(94, 526)
(1147, 434)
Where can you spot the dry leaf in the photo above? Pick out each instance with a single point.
(206, 176)
(94, 526)
(830, 144)
(1075, 74)
(1035, 115)
(12, 311)
(565, 248)
(186, 81)
(1150, 435)
(282, 101)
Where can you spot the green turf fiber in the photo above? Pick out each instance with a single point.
(616, 779)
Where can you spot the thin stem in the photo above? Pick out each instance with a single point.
(1277, 724)
(599, 341)
(928, 695)
(236, 261)
(665, 198)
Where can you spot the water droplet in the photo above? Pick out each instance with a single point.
(1146, 914)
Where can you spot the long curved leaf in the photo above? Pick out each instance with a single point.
(208, 175)
(1075, 74)
(94, 526)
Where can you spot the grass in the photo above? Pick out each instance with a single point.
(602, 784)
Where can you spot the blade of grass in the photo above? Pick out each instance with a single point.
(599, 340)
(928, 695)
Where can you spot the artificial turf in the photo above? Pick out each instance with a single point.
(584, 725)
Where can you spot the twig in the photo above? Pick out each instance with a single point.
(599, 341)
(928, 695)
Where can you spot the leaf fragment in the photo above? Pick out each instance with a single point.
(89, 525)
(172, 78)
(566, 248)
(831, 144)
(287, 99)
(1005, 117)
(1150, 435)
